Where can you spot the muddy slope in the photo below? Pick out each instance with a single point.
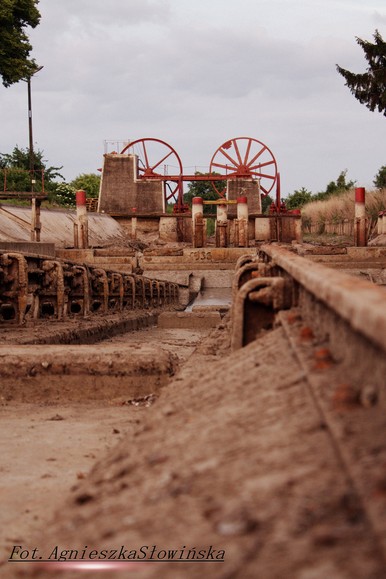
(233, 455)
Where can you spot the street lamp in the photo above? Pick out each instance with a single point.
(31, 145)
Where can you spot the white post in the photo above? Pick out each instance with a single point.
(360, 218)
(222, 226)
(198, 221)
(242, 229)
(81, 219)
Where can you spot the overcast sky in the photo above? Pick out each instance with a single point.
(196, 73)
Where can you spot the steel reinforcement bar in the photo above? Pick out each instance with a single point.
(33, 287)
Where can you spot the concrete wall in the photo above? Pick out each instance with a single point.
(57, 227)
(121, 191)
(245, 188)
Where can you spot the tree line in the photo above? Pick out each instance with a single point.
(15, 176)
(301, 197)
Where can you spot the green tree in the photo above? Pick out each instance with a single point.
(18, 175)
(335, 187)
(205, 190)
(266, 202)
(90, 182)
(380, 178)
(15, 48)
(298, 198)
(370, 87)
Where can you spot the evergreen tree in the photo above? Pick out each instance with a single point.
(380, 178)
(298, 198)
(335, 187)
(370, 87)
(15, 48)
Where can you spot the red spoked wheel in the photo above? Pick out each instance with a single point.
(243, 158)
(152, 156)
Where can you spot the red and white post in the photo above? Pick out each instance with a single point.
(81, 222)
(360, 224)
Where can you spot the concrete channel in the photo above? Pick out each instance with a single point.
(256, 430)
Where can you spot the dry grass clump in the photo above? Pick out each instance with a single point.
(341, 207)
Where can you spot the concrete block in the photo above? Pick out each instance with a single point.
(77, 255)
(168, 228)
(80, 373)
(194, 320)
(227, 254)
(30, 247)
(366, 252)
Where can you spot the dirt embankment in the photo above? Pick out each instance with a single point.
(235, 455)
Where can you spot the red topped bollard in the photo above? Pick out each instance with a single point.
(81, 222)
(360, 224)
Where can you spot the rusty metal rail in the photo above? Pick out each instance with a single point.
(348, 312)
(335, 325)
(33, 287)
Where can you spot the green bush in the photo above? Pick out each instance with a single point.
(62, 194)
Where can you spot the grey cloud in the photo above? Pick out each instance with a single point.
(105, 61)
(379, 18)
(232, 66)
(116, 12)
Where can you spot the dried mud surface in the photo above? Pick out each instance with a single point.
(235, 454)
(48, 446)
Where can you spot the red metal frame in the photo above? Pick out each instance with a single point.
(151, 158)
(244, 158)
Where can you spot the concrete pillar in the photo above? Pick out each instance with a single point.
(81, 223)
(380, 223)
(298, 225)
(242, 208)
(262, 229)
(222, 226)
(241, 223)
(360, 218)
(134, 223)
(35, 219)
(222, 212)
(198, 222)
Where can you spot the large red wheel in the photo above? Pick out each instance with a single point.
(245, 158)
(152, 155)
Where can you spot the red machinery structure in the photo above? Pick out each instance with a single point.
(238, 158)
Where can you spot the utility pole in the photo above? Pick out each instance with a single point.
(30, 131)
